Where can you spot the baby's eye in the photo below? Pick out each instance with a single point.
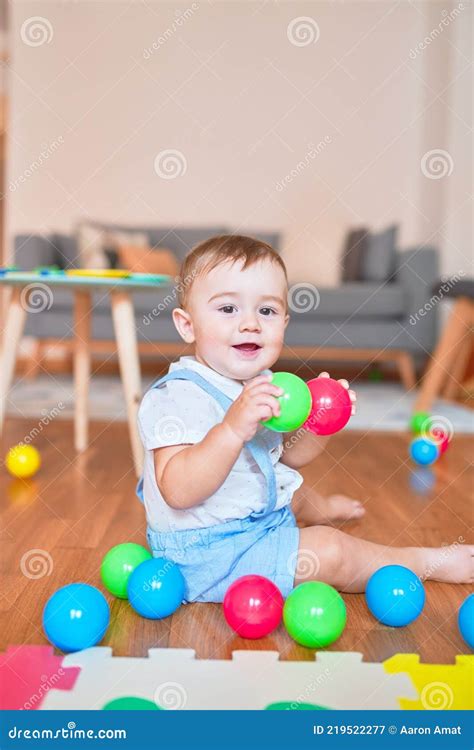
(270, 310)
(227, 308)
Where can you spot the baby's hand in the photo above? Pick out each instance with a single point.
(258, 401)
(345, 385)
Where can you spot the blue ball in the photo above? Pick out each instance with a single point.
(424, 452)
(76, 617)
(395, 595)
(466, 620)
(156, 588)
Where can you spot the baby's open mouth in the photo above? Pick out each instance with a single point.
(248, 347)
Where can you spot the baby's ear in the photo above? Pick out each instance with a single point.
(183, 324)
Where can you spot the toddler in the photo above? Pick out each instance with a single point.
(220, 489)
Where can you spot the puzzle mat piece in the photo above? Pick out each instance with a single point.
(175, 679)
(442, 686)
(27, 673)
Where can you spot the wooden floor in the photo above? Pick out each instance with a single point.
(79, 506)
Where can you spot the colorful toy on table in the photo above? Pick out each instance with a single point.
(424, 452)
(395, 595)
(295, 403)
(314, 614)
(118, 564)
(155, 588)
(8, 269)
(23, 461)
(253, 606)
(49, 271)
(466, 620)
(76, 617)
(331, 406)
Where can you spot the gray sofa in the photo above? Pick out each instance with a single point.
(361, 314)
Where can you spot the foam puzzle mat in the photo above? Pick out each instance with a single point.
(33, 677)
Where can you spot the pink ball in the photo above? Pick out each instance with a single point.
(331, 407)
(253, 606)
(441, 438)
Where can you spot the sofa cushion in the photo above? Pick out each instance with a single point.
(378, 262)
(354, 251)
(32, 250)
(359, 300)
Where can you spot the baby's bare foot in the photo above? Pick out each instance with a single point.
(453, 564)
(328, 511)
(343, 508)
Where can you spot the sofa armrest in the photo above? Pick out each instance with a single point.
(33, 250)
(417, 270)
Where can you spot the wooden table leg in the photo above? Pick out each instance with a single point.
(82, 368)
(126, 337)
(14, 326)
(445, 354)
(406, 368)
(454, 379)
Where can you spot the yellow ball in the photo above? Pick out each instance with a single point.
(23, 461)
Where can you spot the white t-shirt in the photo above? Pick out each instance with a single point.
(180, 411)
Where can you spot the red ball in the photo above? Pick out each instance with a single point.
(331, 406)
(441, 438)
(253, 606)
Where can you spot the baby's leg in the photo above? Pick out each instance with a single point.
(311, 508)
(345, 562)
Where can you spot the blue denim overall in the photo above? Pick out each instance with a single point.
(264, 543)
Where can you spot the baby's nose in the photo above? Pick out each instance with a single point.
(249, 323)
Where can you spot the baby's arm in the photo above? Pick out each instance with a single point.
(187, 475)
(301, 446)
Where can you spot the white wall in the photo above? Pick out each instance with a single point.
(244, 106)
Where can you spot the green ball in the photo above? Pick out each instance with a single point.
(420, 422)
(314, 614)
(295, 403)
(117, 565)
(131, 703)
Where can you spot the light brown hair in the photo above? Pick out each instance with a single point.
(216, 250)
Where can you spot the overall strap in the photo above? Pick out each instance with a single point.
(259, 454)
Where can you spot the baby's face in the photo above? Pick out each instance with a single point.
(238, 317)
